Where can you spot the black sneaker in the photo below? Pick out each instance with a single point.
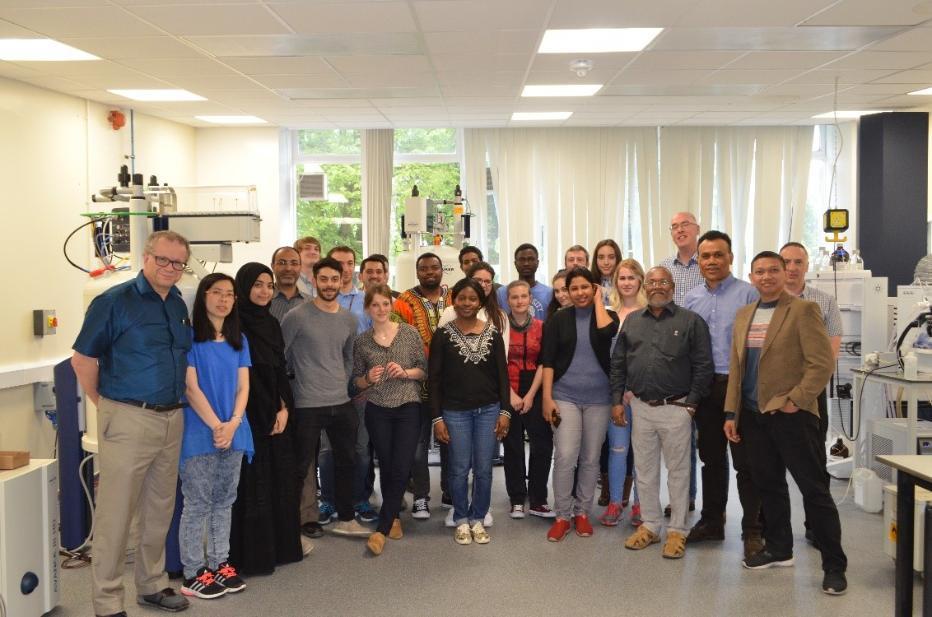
(705, 530)
(227, 577)
(203, 585)
(834, 583)
(312, 530)
(764, 559)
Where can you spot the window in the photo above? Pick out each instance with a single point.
(336, 218)
(822, 192)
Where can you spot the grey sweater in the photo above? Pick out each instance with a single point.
(319, 350)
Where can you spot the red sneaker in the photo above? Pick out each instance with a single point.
(558, 530)
(636, 515)
(583, 526)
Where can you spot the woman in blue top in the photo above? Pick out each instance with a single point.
(216, 436)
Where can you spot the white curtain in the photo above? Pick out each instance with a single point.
(378, 147)
(559, 187)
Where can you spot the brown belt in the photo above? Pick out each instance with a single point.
(670, 400)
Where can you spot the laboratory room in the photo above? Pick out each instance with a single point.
(466, 307)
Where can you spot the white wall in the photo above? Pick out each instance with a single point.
(248, 156)
(56, 151)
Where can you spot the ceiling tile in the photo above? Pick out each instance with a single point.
(177, 67)
(362, 93)
(73, 22)
(285, 65)
(472, 62)
(616, 14)
(16, 71)
(459, 15)
(769, 60)
(484, 41)
(565, 77)
(801, 90)
(907, 77)
(59, 84)
(750, 13)
(652, 60)
(301, 81)
(196, 19)
(883, 60)
(8, 30)
(770, 39)
(479, 80)
(760, 76)
(406, 103)
(397, 65)
(845, 76)
(561, 62)
(916, 39)
(312, 18)
(389, 80)
(872, 13)
(218, 81)
(309, 44)
(461, 90)
(140, 47)
(672, 77)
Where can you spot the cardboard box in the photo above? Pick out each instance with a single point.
(13, 459)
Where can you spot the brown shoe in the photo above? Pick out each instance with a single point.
(396, 533)
(675, 546)
(642, 538)
(705, 530)
(753, 543)
(376, 543)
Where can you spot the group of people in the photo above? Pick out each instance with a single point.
(287, 374)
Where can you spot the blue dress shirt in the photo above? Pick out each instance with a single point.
(140, 341)
(718, 308)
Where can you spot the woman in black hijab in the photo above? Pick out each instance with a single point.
(266, 527)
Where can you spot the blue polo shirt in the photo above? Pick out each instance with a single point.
(354, 302)
(140, 341)
(718, 308)
(541, 295)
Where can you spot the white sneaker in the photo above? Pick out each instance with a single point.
(479, 534)
(488, 520)
(420, 510)
(517, 511)
(350, 528)
(463, 535)
(448, 521)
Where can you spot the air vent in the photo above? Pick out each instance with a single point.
(312, 186)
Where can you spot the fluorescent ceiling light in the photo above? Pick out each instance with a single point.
(562, 90)
(232, 119)
(925, 92)
(596, 40)
(40, 50)
(849, 114)
(158, 95)
(540, 115)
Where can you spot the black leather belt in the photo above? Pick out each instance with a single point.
(719, 378)
(670, 400)
(150, 407)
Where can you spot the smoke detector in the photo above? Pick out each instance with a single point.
(581, 67)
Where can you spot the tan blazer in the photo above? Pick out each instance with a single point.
(796, 361)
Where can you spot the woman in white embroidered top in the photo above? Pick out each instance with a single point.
(470, 403)
(389, 364)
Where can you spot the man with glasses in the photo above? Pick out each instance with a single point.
(526, 262)
(286, 266)
(421, 307)
(684, 266)
(130, 359)
(663, 356)
(781, 358)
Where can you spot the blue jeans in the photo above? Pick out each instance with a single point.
(208, 483)
(361, 460)
(619, 442)
(472, 444)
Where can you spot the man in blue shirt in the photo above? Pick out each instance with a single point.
(351, 297)
(526, 262)
(717, 301)
(130, 358)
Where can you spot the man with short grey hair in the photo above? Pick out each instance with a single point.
(286, 265)
(663, 356)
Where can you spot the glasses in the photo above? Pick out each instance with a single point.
(660, 283)
(483, 282)
(217, 294)
(177, 266)
(683, 225)
(285, 262)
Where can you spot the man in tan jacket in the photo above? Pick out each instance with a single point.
(781, 359)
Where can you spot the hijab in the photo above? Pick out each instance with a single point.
(266, 344)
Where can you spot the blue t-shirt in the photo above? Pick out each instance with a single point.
(585, 382)
(541, 295)
(217, 365)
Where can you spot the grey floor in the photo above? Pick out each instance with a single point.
(520, 573)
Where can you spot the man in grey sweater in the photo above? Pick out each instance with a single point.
(319, 338)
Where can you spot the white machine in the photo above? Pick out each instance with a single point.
(29, 577)
(891, 436)
(923, 497)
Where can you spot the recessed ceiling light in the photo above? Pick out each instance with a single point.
(925, 92)
(158, 95)
(540, 115)
(232, 119)
(40, 50)
(596, 40)
(562, 90)
(849, 114)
